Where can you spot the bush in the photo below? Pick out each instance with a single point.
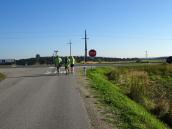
(114, 75)
(167, 118)
(162, 108)
(169, 60)
(138, 61)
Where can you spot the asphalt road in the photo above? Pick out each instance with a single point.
(37, 98)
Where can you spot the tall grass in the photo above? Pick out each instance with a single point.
(138, 84)
(130, 115)
(149, 85)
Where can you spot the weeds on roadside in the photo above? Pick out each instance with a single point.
(149, 85)
(2, 76)
(138, 84)
(128, 113)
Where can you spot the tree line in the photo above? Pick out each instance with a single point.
(79, 59)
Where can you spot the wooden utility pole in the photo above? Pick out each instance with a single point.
(86, 51)
(70, 43)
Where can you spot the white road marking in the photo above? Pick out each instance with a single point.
(51, 71)
(51, 67)
(48, 72)
(62, 71)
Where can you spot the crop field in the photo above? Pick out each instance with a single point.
(140, 97)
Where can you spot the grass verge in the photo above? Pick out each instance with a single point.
(130, 115)
(2, 76)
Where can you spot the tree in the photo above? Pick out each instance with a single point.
(169, 60)
(37, 58)
(138, 61)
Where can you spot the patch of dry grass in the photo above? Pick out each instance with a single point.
(2, 76)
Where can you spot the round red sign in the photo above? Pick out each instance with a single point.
(92, 53)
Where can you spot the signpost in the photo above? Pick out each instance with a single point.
(92, 53)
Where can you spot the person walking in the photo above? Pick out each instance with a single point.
(58, 63)
(67, 64)
(72, 63)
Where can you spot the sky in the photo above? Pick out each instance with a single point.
(116, 28)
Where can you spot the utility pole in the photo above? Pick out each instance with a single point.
(70, 43)
(146, 53)
(56, 51)
(53, 58)
(85, 38)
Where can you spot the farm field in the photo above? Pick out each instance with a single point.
(139, 97)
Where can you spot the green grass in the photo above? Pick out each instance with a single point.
(154, 61)
(130, 115)
(2, 76)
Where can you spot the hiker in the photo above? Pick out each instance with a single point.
(58, 63)
(67, 64)
(72, 63)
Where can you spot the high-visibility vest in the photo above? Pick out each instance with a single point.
(67, 62)
(58, 60)
(72, 60)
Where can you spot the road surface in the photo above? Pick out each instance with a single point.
(36, 98)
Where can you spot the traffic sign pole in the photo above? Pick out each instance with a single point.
(92, 54)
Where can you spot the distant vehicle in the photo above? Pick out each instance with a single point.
(7, 61)
(169, 60)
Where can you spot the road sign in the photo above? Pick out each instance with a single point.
(92, 53)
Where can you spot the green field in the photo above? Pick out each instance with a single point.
(154, 61)
(139, 97)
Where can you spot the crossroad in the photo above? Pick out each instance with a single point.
(52, 70)
(37, 98)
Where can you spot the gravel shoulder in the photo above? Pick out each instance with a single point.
(97, 112)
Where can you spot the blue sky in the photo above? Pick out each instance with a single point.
(116, 28)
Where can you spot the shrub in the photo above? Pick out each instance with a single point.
(114, 75)
(167, 118)
(169, 60)
(162, 108)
